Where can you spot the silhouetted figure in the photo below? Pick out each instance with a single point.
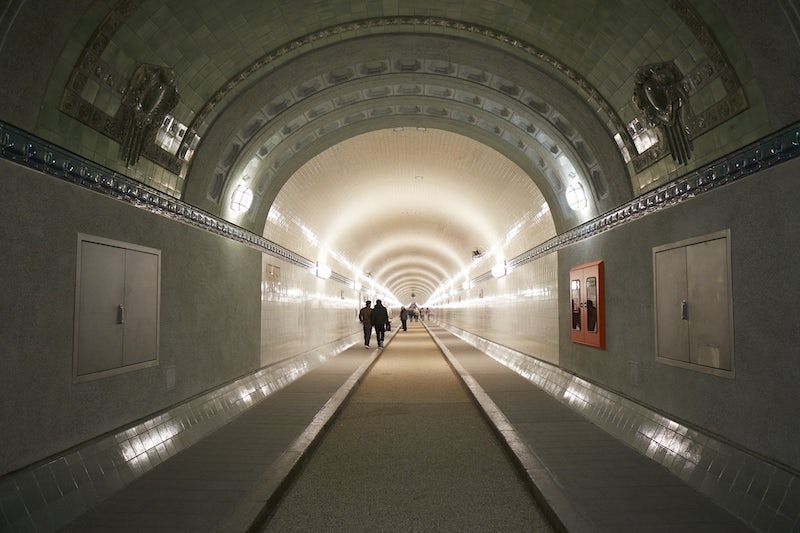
(365, 317)
(379, 318)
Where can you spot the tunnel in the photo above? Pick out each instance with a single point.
(199, 198)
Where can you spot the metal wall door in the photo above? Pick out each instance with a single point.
(117, 307)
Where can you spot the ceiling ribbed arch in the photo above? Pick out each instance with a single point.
(408, 208)
(511, 112)
(532, 115)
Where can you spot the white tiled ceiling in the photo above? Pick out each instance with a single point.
(410, 206)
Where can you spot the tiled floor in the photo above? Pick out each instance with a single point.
(591, 481)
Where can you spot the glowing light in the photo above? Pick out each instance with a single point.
(499, 270)
(576, 196)
(323, 271)
(242, 199)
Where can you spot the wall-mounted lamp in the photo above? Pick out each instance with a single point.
(499, 270)
(241, 199)
(576, 196)
(357, 285)
(465, 285)
(323, 271)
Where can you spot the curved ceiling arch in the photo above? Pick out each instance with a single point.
(593, 55)
(428, 251)
(420, 285)
(410, 274)
(408, 206)
(412, 221)
(510, 114)
(537, 147)
(423, 26)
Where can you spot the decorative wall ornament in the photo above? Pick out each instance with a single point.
(659, 94)
(150, 96)
(731, 104)
(91, 68)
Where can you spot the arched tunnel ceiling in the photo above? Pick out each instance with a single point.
(333, 92)
(408, 206)
(302, 104)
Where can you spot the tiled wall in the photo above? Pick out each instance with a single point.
(303, 311)
(519, 310)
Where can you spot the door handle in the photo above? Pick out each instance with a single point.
(121, 314)
(684, 310)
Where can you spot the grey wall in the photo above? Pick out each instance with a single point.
(209, 328)
(758, 407)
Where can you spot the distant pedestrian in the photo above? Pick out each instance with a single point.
(365, 317)
(379, 318)
(404, 317)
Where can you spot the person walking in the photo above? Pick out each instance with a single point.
(379, 318)
(365, 317)
(404, 317)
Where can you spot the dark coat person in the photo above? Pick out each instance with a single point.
(365, 317)
(380, 316)
(404, 317)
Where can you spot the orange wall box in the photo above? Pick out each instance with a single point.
(587, 308)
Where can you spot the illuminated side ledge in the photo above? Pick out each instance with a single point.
(53, 492)
(696, 457)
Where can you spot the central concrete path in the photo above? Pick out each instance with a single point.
(409, 452)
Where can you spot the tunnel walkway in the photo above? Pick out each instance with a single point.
(409, 452)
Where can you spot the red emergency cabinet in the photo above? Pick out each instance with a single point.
(587, 309)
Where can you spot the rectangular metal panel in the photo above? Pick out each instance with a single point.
(98, 333)
(672, 338)
(709, 305)
(141, 307)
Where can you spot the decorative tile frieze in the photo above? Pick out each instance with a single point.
(28, 150)
(33, 152)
